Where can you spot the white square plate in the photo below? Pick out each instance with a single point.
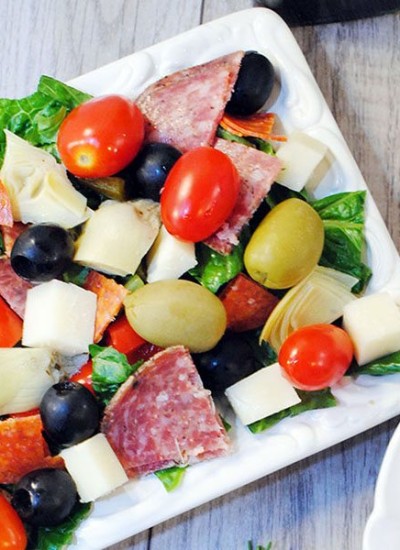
(364, 402)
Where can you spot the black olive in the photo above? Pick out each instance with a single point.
(231, 360)
(42, 252)
(70, 413)
(45, 497)
(150, 170)
(253, 85)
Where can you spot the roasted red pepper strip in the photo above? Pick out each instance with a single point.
(259, 126)
(121, 336)
(10, 326)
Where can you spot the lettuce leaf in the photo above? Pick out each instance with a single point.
(214, 269)
(38, 117)
(343, 216)
(110, 369)
(310, 400)
(57, 538)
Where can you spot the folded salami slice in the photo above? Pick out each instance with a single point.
(183, 109)
(162, 416)
(257, 172)
(12, 288)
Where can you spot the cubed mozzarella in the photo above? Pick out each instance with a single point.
(25, 374)
(94, 467)
(118, 235)
(169, 257)
(261, 394)
(373, 324)
(60, 316)
(300, 157)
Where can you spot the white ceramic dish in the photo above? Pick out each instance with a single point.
(383, 526)
(364, 402)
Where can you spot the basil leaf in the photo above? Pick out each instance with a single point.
(343, 216)
(214, 269)
(171, 478)
(38, 116)
(110, 369)
(56, 538)
(389, 364)
(309, 401)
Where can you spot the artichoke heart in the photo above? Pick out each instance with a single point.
(38, 186)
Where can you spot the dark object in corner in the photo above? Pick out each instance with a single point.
(312, 12)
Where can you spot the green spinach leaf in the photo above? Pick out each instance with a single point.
(172, 477)
(57, 538)
(309, 401)
(214, 269)
(110, 369)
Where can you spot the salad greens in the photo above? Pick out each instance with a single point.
(343, 216)
(389, 364)
(213, 269)
(56, 538)
(257, 143)
(38, 117)
(310, 400)
(172, 477)
(110, 369)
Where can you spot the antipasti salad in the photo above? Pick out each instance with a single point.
(160, 257)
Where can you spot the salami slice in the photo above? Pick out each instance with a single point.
(12, 288)
(162, 416)
(184, 108)
(257, 172)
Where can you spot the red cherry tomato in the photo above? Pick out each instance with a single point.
(12, 530)
(316, 356)
(199, 194)
(101, 137)
(84, 376)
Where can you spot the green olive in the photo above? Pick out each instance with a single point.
(167, 313)
(286, 246)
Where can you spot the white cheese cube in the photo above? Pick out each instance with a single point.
(169, 257)
(261, 394)
(373, 324)
(118, 235)
(60, 316)
(94, 467)
(25, 374)
(300, 157)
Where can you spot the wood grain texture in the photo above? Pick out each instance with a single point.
(322, 502)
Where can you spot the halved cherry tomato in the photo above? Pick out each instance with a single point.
(199, 194)
(316, 356)
(101, 137)
(12, 530)
(84, 376)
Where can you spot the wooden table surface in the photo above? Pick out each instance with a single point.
(322, 502)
